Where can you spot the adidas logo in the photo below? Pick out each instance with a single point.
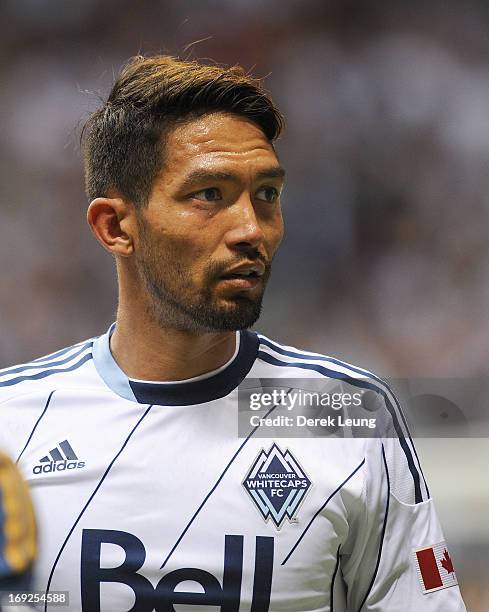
(60, 458)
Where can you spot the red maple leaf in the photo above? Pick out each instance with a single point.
(446, 562)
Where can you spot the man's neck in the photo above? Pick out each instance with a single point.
(145, 351)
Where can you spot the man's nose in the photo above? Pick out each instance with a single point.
(245, 229)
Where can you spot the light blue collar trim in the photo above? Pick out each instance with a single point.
(198, 390)
(108, 369)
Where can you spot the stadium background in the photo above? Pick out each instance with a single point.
(385, 262)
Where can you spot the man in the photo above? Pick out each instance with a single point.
(147, 498)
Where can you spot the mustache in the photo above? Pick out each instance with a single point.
(216, 269)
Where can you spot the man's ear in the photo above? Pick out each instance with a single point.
(113, 222)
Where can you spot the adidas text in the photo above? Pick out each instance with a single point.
(58, 466)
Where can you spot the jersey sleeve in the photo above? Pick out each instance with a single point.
(18, 540)
(395, 557)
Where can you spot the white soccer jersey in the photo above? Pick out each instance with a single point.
(147, 499)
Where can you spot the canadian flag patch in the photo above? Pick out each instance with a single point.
(435, 567)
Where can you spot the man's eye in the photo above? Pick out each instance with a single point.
(267, 194)
(208, 195)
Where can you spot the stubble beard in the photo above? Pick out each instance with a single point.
(174, 303)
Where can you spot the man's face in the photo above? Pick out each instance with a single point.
(212, 225)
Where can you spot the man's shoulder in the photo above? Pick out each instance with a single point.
(367, 404)
(302, 361)
(65, 366)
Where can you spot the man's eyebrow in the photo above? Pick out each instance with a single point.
(219, 175)
(275, 172)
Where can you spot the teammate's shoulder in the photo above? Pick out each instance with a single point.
(282, 355)
(59, 367)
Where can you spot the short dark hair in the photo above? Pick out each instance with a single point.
(123, 141)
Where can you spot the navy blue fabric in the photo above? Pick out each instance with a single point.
(207, 389)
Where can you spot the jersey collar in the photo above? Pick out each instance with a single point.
(181, 393)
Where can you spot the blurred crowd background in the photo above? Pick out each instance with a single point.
(386, 257)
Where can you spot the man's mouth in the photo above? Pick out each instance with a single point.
(244, 276)
(251, 274)
(248, 270)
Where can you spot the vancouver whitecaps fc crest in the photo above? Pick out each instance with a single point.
(277, 485)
